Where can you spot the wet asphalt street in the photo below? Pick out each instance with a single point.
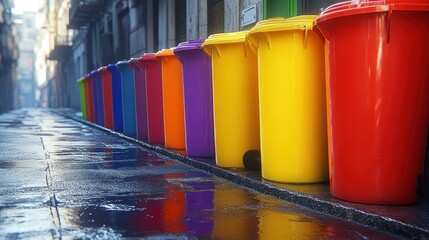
(61, 179)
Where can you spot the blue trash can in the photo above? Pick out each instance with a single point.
(98, 97)
(128, 99)
(118, 123)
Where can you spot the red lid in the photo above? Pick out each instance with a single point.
(103, 70)
(356, 7)
(149, 57)
(87, 78)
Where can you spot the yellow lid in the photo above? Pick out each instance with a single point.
(284, 24)
(165, 52)
(222, 38)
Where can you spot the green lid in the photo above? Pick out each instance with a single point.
(80, 80)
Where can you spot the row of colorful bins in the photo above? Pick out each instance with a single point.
(269, 93)
(150, 100)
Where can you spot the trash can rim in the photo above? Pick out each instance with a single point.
(349, 8)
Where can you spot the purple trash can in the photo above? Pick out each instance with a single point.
(198, 98)
(140, 96)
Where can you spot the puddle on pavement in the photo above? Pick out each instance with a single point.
(176, 199)
(106, 188)
(207, 209)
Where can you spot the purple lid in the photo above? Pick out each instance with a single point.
(193, 44)
(135, 62)
(93, 72)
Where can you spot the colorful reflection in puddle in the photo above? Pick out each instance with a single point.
(207, 208)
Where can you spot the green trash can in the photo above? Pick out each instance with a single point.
(280, 8)
(82, 98)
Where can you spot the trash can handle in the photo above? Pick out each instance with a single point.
(388, 20)
(305, 37)
(245, 49)
(165, 59)
(217, 50)
(267, 36)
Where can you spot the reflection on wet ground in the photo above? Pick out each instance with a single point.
(62, 179)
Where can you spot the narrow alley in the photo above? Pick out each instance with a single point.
(63, 179)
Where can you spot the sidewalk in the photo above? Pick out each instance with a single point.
(62, 178)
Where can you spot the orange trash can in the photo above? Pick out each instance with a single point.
(172, 92)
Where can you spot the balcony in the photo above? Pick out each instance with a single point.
(82, 11)
(62, 48)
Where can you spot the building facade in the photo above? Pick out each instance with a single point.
(26, 83)
(87, 34)
(9, 53)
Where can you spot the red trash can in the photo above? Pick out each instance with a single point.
(155, 115)
(378, 98)
(107, 97)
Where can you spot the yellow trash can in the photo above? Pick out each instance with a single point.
(292, 100)
(235, 97)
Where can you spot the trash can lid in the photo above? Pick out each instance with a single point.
(223, 38)
(284, 24)
(148, 57)
(93, 73)
(165, 52)
(112, 67)
(122, 63)
(80, 80)
(103, 70)
(135, 62)
(189, 45)
(87, 78)
(356, 7)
